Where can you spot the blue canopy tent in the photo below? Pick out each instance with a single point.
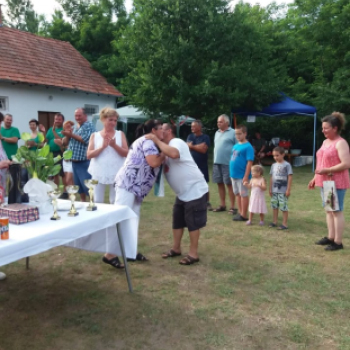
(284, 108)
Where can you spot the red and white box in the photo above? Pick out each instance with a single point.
(20, 213)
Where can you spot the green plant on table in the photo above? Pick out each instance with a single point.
(41, 164)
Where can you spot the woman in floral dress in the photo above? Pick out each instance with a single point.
(137, 176)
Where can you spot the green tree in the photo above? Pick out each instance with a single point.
(21, 15)
(195, 57)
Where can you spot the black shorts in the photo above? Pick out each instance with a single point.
(55, 154)
(192, 214)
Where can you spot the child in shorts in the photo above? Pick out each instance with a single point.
(281, 174)
(240, 165)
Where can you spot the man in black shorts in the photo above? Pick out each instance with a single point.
(190, 187)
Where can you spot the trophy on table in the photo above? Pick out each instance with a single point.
(54, 195)
(91, 184)
(72, 190)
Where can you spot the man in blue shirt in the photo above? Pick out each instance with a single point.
(78, 144)
(224, 140)
(199, 144)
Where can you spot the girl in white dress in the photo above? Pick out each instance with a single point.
(107, 151)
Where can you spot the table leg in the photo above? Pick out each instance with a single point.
(124, 258)
(27, 263)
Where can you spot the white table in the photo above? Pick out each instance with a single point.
(111, 228)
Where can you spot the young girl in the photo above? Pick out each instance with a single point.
(257, 204)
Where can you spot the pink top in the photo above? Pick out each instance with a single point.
(327, 156)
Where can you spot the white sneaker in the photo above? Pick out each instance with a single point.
(2, 276)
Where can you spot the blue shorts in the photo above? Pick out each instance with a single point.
(80, 173)
(341, 196)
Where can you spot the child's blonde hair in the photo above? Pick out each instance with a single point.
(68, 122)
(259, 169)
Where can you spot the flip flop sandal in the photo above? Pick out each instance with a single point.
(272, 225)
(139, 257)
(218, 209)
(188, 260)
(170, 254)
(282, 227)
(115, 262)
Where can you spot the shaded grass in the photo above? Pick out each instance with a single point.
(255, 288)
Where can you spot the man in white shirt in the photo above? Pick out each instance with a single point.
(190, 187)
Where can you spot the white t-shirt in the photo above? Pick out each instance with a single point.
(183, 174)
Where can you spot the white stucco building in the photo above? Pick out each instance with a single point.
(40, 77)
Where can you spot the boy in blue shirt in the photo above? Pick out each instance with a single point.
(240, 165)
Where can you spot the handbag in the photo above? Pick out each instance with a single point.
(330, 196)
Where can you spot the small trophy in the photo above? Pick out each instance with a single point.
(91, 184)
(72, 190)
(54, 195)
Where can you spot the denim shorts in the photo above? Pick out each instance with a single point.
(221, 174)
(341, 196)
(80, 173)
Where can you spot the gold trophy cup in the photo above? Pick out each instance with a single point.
(91, 184)
(54, 195)
(72, 190)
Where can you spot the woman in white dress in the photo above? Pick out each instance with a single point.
(107, 151)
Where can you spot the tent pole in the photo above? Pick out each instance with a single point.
(313, 155)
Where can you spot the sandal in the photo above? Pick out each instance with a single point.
(139, 257)
(218, 209)
(233, 211)
(170, 254)
(282, 227)
(188, 260)
(115, 262)
(272, 225)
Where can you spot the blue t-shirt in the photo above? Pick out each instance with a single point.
(241, 154)
(201, 159)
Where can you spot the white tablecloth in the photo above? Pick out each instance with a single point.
(90, 230)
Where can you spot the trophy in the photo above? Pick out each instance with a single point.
(72, 190)
(91, 184)
(54, 195)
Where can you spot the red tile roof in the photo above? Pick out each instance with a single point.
(28, 58)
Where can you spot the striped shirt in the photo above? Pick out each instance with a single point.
(78, 148)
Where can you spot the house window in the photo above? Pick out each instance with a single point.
(4, 103)
(91, 109)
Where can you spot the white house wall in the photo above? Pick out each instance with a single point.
(24, 102)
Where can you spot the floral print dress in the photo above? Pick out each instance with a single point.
(136, 175)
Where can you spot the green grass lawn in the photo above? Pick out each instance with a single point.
(254, 288)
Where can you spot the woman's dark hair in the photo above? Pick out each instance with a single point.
(336, 119)
(34, 121)
(147, 127)
(1, 117)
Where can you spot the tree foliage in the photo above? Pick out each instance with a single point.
(196, 57)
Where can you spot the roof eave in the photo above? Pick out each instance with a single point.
(118, 94)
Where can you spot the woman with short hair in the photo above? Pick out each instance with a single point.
(107, 150)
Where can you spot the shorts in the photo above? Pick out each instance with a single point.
(80, 173)
(55, 154)
(192, 214)
(279, 201)
(221, 174)
(341, 196)
(239, 188)
(67, 166)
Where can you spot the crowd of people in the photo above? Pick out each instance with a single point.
(129, 173)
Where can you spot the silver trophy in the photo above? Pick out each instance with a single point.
(72, 190)
(91, 184)
(54, 195)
